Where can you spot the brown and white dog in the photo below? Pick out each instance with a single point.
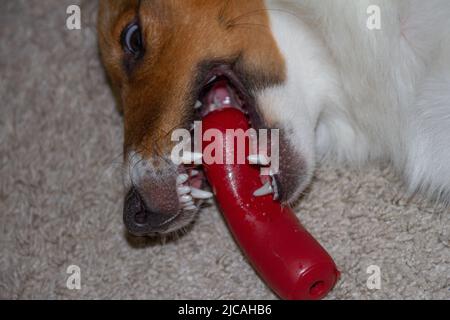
(336, 88)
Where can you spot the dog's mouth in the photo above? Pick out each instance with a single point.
(222, 88)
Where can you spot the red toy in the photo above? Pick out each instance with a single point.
(286, 256)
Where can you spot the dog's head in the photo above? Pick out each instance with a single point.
(161, 56)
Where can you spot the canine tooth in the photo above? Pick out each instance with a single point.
(182, 178)
(200, 194)
(184, 190)
(264, 190)
(191, 157)
(258, 159)
(276, 194)
(198, 104)
(185, 198)
(194, 173)
(191, 208)
(212, 79)
(227, 101)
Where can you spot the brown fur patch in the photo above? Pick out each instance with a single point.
(180, 36)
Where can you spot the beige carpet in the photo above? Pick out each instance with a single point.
(61, 193)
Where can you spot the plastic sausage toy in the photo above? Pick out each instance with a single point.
(292, 263)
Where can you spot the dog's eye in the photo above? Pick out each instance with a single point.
(132, 40)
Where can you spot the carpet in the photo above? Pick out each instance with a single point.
(61, 194)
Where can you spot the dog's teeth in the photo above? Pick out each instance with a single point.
(191, 208)
(200, 194)
(191, 157)
(264, 190)
(258, 159)
(198, 104)
(188, 204)
(184, 190)
(185, 198)
(227, 101)
(276, 194)
(212, 79)
(194, 173)
(182, 178)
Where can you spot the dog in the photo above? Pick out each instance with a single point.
(337, 88)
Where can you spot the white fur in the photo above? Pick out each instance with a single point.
(355, 94)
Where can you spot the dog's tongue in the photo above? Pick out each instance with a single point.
(220, 96)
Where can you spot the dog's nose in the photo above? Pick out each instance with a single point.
(138, 219)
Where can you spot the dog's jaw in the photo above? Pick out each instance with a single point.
(157, 187)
